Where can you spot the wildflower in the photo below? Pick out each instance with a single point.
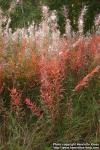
(86, 79)
(16, 105)
(15, 97)
(36, 110)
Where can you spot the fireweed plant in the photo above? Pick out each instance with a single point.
(49, 86)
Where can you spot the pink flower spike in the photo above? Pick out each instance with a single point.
(36, 110)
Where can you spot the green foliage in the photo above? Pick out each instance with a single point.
(25, 13)
(74, 8)
(92, 11)
(5, 4)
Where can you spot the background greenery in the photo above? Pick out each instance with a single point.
(24, 12)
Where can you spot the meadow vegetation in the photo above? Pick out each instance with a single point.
(49, 87)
